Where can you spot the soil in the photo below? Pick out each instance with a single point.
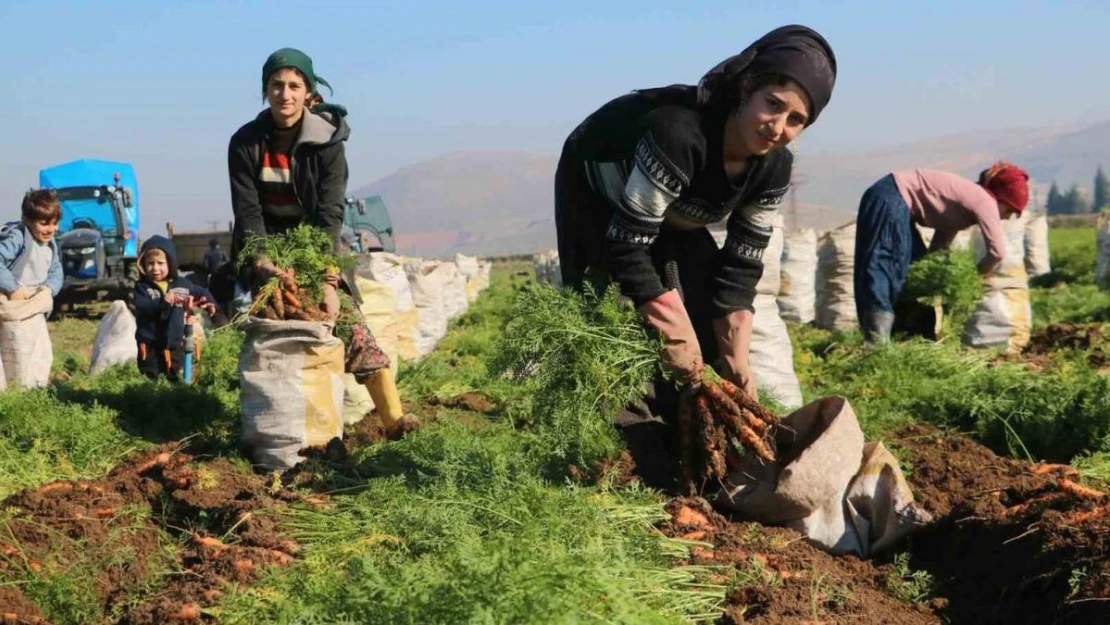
(16, 608)
(1091, 338)
(1009, 548)
(783, 579)
(1006, 547)
(154, 507)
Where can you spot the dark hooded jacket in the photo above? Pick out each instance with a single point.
(157, 325)
(318, 165)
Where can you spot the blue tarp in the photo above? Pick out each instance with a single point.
(97, 173)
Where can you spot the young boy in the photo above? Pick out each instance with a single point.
(29, 255)
(162, 301)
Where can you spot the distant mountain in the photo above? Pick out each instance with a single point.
(488, 202)
(501, 202)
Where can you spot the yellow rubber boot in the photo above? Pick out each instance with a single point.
(383, 390)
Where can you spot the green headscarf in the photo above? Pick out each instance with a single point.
(291, 57)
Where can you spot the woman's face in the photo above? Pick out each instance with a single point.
(769, 118)
(1007, 211)
(286, 91)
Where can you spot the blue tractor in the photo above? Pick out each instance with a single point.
(98, 234)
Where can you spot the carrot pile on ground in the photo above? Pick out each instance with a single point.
(710, 418)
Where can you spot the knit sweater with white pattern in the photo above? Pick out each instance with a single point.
(655, 155)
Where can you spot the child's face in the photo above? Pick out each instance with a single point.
(43, 230)
(156, 267)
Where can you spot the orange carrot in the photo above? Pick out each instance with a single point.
(53, 486)
(188, 612)
(1077, 518)
(208, 541)
(756, 444)
(1078, 490)
(746, 402)
(104, 513)
(291, 299)
(157, 461)
(731, 410)
(1042, 469)
(278, 304)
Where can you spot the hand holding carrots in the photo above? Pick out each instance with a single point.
(710, 417)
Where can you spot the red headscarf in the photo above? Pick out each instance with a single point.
(1007, 183)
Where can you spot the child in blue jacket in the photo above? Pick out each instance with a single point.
(163, 305)
(29, 255)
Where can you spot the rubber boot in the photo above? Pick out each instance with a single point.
(877, 325)
(383, 390)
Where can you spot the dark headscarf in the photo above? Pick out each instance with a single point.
(797, 52)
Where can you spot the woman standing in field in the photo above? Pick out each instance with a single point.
(287, 167)
(670, 192)
(887, 243)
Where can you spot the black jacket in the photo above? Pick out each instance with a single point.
(318, 165)
(156, 324)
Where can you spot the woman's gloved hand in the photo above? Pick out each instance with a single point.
(682, 354)
(734, 339)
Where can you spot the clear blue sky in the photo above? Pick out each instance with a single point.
(164, 84)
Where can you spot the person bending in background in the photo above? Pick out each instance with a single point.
(887, 243)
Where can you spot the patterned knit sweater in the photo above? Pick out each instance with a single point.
(654, 155)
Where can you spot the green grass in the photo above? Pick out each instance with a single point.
(469, 520)
(1054, 414)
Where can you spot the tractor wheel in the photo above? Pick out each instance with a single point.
(130, 278)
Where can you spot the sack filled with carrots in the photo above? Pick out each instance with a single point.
(711, 416)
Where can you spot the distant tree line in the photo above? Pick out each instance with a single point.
(1075, 202)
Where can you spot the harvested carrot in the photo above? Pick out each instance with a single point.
(1044, 468)
(731, 410)
(278, 304)
(188, 612)
(689, 516)
(747, 403)
(756, 444)
(244, 566)
(157, 461)
(1078, 490)
(104, 513)
(53, 486)
(208, 541)
(1084, 516)
(291, 299)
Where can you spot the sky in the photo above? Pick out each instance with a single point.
(165, 84)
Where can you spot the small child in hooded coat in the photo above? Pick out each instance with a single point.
(161, 297)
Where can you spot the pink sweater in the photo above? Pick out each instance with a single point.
(949, 203)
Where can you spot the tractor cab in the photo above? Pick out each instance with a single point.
(367, 227)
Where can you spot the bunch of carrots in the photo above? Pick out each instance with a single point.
(282, 299)
(710, 417)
